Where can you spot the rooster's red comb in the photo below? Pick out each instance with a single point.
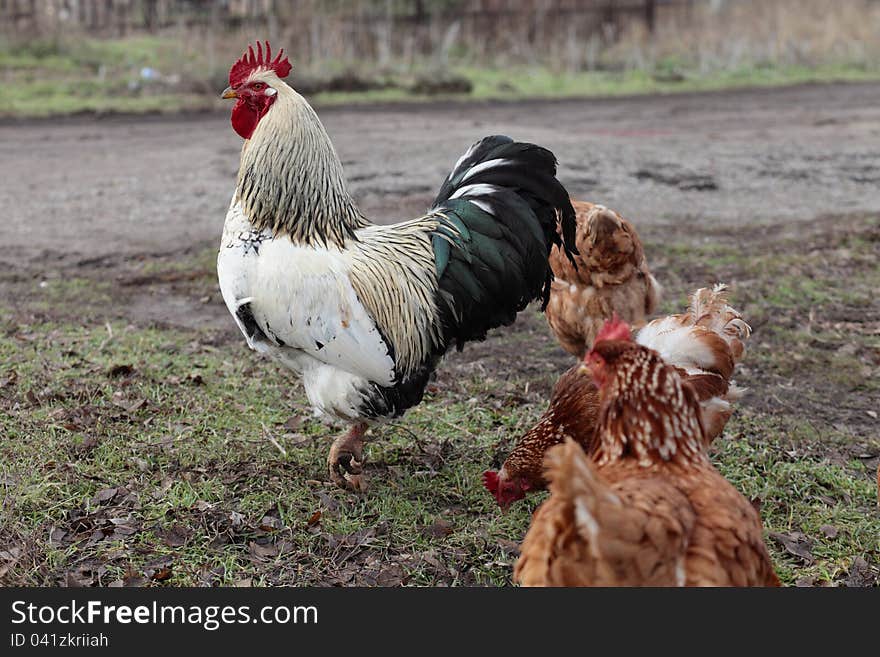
(614, 329)
(490, 481)
(250, 62)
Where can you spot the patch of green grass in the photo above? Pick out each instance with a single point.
(519, 83)
(187, 448)
(130, 450)
(544, 83)
(68, 75)
(778, 460)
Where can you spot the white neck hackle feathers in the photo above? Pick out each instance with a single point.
(290, 180)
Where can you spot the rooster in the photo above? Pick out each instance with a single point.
(609, 276)
(647, 507)
(363, 312)
(704, 344)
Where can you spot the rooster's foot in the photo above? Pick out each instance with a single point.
(346, 460)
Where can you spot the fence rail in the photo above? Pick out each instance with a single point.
(118, 17)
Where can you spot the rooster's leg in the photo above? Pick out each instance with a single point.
(346, 461)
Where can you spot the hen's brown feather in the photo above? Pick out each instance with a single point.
(589, 533)
(572, 413)
(611, 276)
(648, 508)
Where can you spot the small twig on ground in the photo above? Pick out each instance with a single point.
(272, 440)
(456, 427)
(109, 337)
(400, 427)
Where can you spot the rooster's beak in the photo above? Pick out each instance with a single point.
(229, 92)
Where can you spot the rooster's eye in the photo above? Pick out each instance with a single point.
(259, 85)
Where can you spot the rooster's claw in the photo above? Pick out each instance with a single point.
(345, 461)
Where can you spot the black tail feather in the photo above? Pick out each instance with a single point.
(501, 207)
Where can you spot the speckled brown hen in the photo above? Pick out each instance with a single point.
(646, 507)
(704, 344)
(573, 412)
(611, 276)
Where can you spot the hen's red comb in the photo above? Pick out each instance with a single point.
(250, 62)
(490, 481)
(614, 329)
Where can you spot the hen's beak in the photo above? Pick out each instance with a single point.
(229, 92)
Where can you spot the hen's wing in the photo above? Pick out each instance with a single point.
(591, 532)
(704, 344)
(727, 547)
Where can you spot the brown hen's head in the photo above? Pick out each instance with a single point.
(506, 490)
(253, 81)
(647, 411)
(615, 330)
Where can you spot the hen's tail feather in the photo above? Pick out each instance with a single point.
(705, 343)
(709, 323)
(498, 210)
(571, 477)
(567, 522)
(710, 308)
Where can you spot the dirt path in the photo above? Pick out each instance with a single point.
(84, 192)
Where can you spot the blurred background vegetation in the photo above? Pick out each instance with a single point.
(67, 56)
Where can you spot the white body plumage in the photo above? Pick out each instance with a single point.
(308, 314)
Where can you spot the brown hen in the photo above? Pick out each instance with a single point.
(611, 276)
(646, 507)
(704, 344)
(573, 412)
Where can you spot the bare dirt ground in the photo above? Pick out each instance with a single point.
(774, 191)
(85, 191)
(88, 193)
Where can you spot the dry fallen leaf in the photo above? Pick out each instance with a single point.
(129, 406)
(440, 528)
(174, 536)
(262, 552)
(270, 523)
(795, 543)
(861, 574)
(105, 495)
(236, 519)
(330, 503)
(56, 536)
(830, 531)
